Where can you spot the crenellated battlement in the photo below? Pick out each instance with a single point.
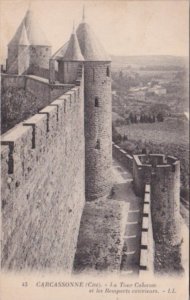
(163, 174)
(147, 241)
(59, 154)
(155, 160)
(59, 147)
(147, 166)
(156, 180)
(39, 129)
(42, 162)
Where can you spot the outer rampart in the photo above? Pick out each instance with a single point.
(163, 174)
(165, 183)
(43, 186)
(156, 179)
(122, 156)
(146, 263)
(147, 241)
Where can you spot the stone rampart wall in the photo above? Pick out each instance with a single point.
(43, 186)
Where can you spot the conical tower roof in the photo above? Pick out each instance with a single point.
(59, 54)
(70, 51)
(73, 52)
(23, 37)
(17, 37)
(34, 34)
(91, 48)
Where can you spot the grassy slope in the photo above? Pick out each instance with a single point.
(172, 130)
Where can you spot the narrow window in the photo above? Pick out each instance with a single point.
(93, 74)
(96, 102)
(97, 144)
(108, 72)
(64, 106)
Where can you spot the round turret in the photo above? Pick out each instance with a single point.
(97, 111)
(70, 61)
(23, 53)
(29, 34)
(163, 174)
(40, 49)
(165, 187)
(18, 52)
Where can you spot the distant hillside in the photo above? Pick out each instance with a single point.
(149, 61)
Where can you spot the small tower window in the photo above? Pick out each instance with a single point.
(93, 74)
(96, 102)
(108, 72)
(97, 144)
(64, 106)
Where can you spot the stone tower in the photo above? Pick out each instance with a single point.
(97, 112)
(23, 53)
(163, 174)
(38, 52)
(70, 61)
(18, 53)
(165, 187)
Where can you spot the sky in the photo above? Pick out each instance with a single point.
(123, 27)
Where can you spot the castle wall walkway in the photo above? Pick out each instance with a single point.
(123, 191)
(110, 229)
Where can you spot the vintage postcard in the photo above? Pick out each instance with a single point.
(94, 150)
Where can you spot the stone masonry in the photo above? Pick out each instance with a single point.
(98, 134)
(163, 174)
(43, 186)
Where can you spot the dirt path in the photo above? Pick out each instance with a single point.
(123, 191)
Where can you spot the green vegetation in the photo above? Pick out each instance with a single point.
(16, 106)
(149, 100)
(169, 137)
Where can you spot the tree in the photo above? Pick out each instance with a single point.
(131, 118)
(160, 117)
(120, 74)
(125, 138)
(135, 119)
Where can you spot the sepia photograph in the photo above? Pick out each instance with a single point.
(94, 149)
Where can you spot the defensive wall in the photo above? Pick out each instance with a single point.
(146, 261)
(163, 174)
(156, 180)
(122, 156)
(42, 163)
(147, 242)
(44, 93)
